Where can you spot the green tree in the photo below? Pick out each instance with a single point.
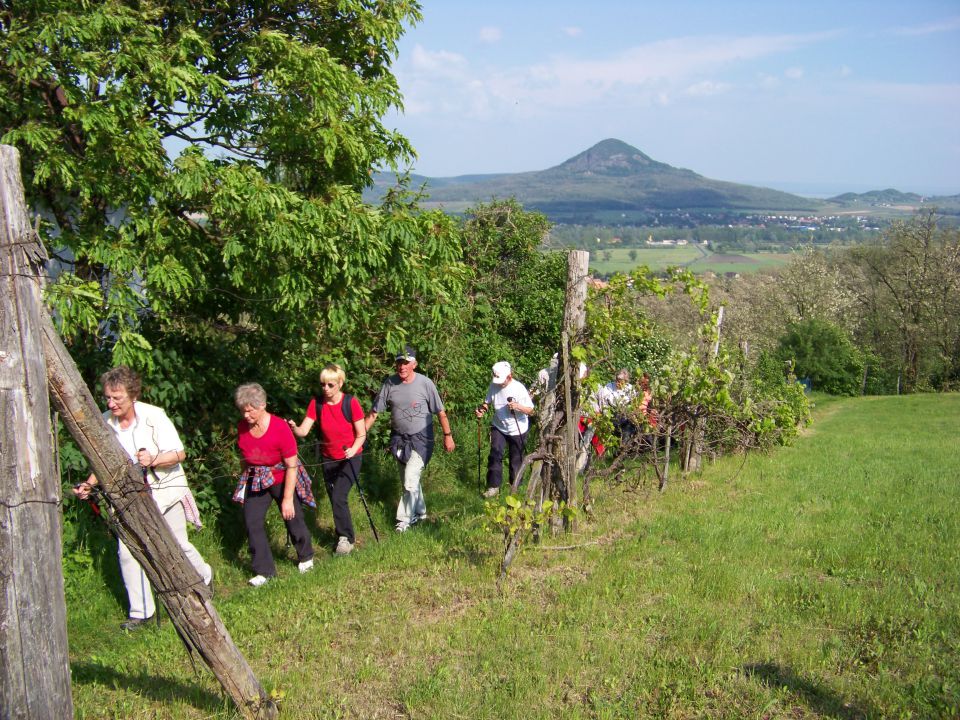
(823, 353)
(907, 287)
(255, 237)
(515, 297)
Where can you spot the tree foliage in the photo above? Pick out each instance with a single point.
(255, 236)
(823, 353)
(513, 305)
(896, 298)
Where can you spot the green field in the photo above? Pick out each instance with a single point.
(818, 581)
(699, 261)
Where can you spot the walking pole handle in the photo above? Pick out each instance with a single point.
(143, 468)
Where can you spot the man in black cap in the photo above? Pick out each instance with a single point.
(412, 400)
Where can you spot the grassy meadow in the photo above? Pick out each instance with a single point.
(699, 261)
(818, 581)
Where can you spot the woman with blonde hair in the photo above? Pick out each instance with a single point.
(342, 432)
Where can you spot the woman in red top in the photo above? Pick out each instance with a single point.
(341, 442)
(271, 474)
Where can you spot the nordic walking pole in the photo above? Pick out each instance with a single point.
(479, 456)
(363, 499)
(514, 413)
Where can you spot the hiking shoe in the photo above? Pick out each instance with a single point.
(257, 580)
(135, 623)
(418, 519)
(491, 492)
(344, 546)
(403, 526)
(305, 566)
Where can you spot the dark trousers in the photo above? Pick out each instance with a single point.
(626, 430)
(254, 511)
(498, 442)
(339, 476)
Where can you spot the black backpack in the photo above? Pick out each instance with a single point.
(346, 407)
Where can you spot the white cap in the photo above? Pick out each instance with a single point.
(500, 372)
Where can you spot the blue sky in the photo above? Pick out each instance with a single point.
(812, 97)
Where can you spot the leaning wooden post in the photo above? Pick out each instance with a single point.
(136, 518)
(34, 664)
(137, 522)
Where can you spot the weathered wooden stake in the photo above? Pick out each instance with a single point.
(574, 321)
(554, 461)
(136, 519)
(34, 665)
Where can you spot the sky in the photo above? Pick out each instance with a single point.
(814, 97)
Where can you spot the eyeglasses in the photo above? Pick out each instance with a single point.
(330, 384)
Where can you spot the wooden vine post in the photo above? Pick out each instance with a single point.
(692, 459)
(135, 518)
(574, 321)
(553, 463)
(34, 660)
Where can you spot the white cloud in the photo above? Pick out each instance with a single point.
(946, 25)
(767, 81)
(441, 62)
(491, 34)
(705, 88)
(652, 74)
(846, 71)
(794, 73)
(572, 31)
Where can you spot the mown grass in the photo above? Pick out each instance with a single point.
(819, 581)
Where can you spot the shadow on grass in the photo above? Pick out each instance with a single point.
(152, 686)
(817, 697)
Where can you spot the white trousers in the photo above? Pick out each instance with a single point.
(412, 505)
(135, 579)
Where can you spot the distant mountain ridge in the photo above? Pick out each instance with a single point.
(611, 176)
(888, 196)
(613, 179)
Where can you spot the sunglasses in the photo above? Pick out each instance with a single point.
(330, 384)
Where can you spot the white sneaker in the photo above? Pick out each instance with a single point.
(491, 492)
(257, 580)
(403, 526)
(305, 566)
(344, 546)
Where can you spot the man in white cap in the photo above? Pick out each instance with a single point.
(512, 407)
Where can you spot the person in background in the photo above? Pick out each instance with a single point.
(512, 407)
(150, 440)
(342, 432)
(412, 400)
(270, 474)
(616, 397)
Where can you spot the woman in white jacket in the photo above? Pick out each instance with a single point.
(151, 441)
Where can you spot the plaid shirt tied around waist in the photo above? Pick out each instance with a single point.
(259, 477)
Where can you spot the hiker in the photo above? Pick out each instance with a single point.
(412, 400)
(151, 441)
(271, 473)
(342, 432)
(616, 397)
(512, 407)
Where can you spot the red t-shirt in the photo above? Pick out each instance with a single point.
(276, 444)
(334, 429)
